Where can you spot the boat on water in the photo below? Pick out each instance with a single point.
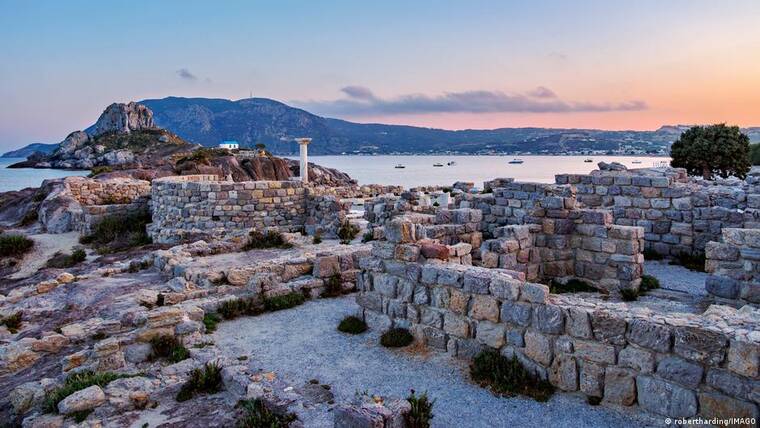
(437, 164)
(516, 161)
(400, 166)
(636, 162)
(452, 163)
(589, 160)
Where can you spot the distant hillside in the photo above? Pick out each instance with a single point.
(31, 148)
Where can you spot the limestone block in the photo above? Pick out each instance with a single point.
(85, 399)
(592, 379)
(744, 358)
(563, 373)
(680, 371)
(665, 398)
(548, 319)
(491, 334)
(712, 405)
(538, 347)
(619, 386)
(484, 308)
(700, 345)
(650, 335)
(638, 359)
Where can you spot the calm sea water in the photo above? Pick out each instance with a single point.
(16, 179)
(418, 171)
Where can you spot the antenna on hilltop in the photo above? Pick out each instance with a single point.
(251, 95)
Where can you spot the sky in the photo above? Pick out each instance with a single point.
(445, 64)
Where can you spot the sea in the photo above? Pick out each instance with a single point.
(416, 171)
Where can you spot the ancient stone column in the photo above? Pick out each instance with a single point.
(304, 167)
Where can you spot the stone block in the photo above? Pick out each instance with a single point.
(619, 386)
(729, 383)
(326, 266)
(407, 252)
(505, 288)
(697, 344)
(744, 358)
(665, 398)
(563, 373)
(477, 281)
(82, 400)
(385, 284)
(518, 313)
(722, 286)
(712, 405)
(491, 334)
(592, 379)
(456, 325)
(577, 323)
(538, 347)
(608, 327)
(534, 293)
(635, 358)
(548, 319)
(680, 371)
(594, 351)
(484, 308)
(650, 335)
(431, 317)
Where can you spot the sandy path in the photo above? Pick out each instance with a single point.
(45, 245)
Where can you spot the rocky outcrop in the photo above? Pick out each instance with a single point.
(123, 119)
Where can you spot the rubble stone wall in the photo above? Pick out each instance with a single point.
(675, 365)
(107, 192)
(734, 266)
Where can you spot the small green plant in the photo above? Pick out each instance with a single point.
(368, 237)
(210, 320)
(63, 261)
(231, 309)
(695, 262)
(77, 382)
(12, 322)
(256, 414)
(352, 325)
(202, 345)
(30, 217)
(160, 299)
(333, 286)
(99, 170)
(396, 337)
(119, 232)
(169, 347)
(98, 336)
(507, 376)
(648, 282)
(271, 239)
(650, 254)
(81, 415)
(206, 380)
(421, 412)
(593, 400)
(629, 294)
(39, 196)
(284, 301)
(347, 232)
(572, 286)
(13, 245)
(317, 238)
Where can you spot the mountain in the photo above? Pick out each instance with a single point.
(31, 148)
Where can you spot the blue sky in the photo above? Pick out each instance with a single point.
(451, 64)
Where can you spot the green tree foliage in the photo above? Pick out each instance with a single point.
(708, 150)
(754, 154)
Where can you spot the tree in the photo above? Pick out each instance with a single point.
(716, 149)
(754, 153)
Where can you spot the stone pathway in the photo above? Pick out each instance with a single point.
(303, 343)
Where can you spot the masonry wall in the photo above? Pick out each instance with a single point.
(107, 192)
(675, 365)
(734, 266)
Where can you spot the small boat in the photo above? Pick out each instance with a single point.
(452, 163)
(589, 160)
(636, 162)
(516, 161)
(437, 164)
(399, 166)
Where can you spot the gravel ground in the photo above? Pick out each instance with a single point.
(303, 343)
(677, 278)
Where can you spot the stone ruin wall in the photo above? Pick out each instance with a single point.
(678, 214)
(734, 266)
(108, 192)
(675, 365)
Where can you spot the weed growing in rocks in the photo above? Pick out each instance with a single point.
(368, 237)
(119, 233)
(593, 400)
(271, 239)
(629, 295)
(695, 262)
(77, 382)
(210, 320)
(333, 286)
(507, 376)
(14, 245)
(421, 412)
(650, 254)
(63, 261)
(317, 238)
(648, 282)
(81, 415)
(571, 286)
(396, 338)
(99, 170)
(98, 336)
(231, 309)
(284, 301)
(160, 299)
(169, 347)
(352, 325)
(256, 414)
(347, 232)
(12, 322)
(30, 217)
(206, 380)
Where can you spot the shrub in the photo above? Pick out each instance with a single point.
(207, 380)
(169, 347)
(695, 262)
(508, 377)
(210, 320)
(650, 254)
(63, 261)
(347, 232)
(333, 286)
(709, 150)
(648, 282)
(396, 338)
(119, 232)
(421, 412)
(317, 238)
(231, 309)
(99, 170)
(284, 301)
(77, 382)
(160, 299)
(629, 294)
(13, 245)
(352, 325)
(256, 414)
(572, 286)
(30, 217)
(12, 322)
(368, 237)
(271, 239)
